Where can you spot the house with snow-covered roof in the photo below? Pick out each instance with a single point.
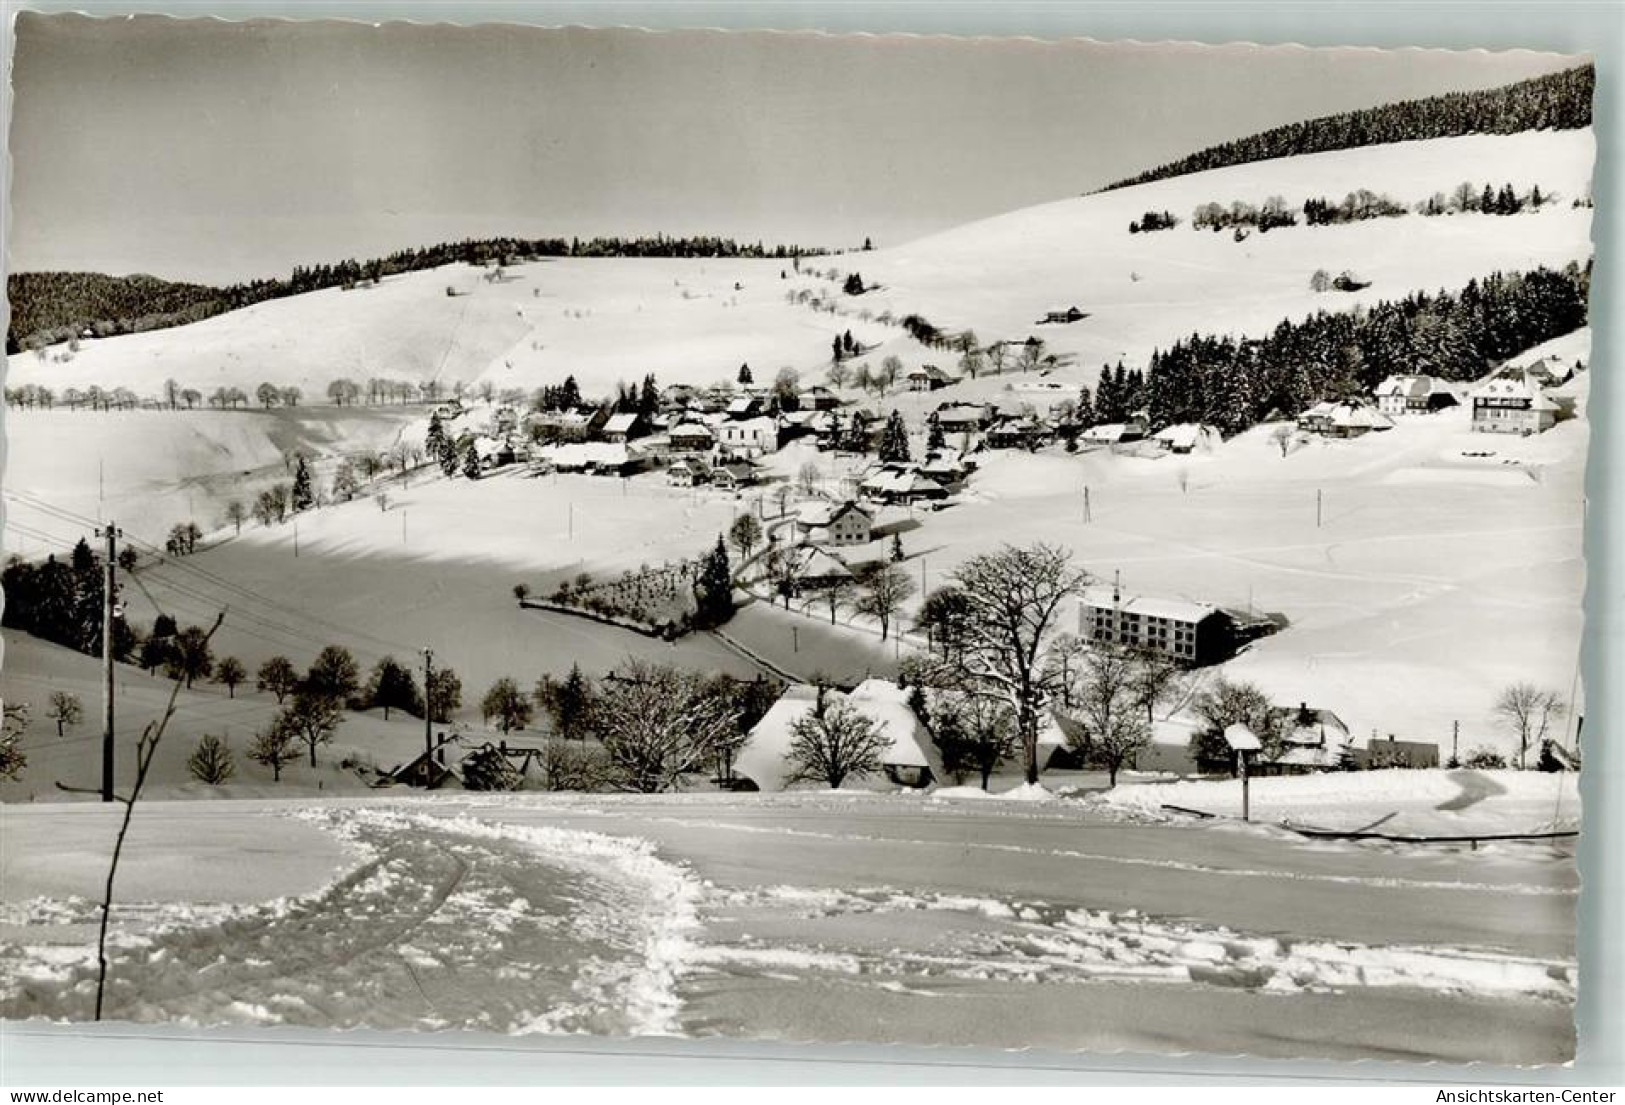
(838, 524)
(1515, 401)
(1402, 395)
(621, 428)
(733, 476)
(928, 378)
(1343, 420)
(1193, 634)
(1188, 437)
(962, 418)
(751, 437)
(690, 437)
(899, 483)
(909, 757)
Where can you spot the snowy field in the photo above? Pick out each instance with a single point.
(876, 918)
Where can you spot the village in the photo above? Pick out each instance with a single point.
(824, 486)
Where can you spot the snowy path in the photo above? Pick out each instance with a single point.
(441, 925)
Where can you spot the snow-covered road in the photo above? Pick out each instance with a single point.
(917, 921)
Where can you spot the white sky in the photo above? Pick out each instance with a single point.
(214, 151)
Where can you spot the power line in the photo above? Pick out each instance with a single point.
(227, 585)
(193, 599)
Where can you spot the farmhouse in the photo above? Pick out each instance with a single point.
(928, 378)
(752, 437)
(1401, 395)
(1025, 432)
(908, 759)
(731, 477)
(1343, 420)
(622, 428)
(1515, 401)
(690, 437)
(746, 407)
(838, 524)
(687, 473)
(600, 458)
(1188, 437)
(1071, 314)
(899, 483)
(818, 398)
(813, 569)
(1192, 633)
(963, 418)
(946, 466)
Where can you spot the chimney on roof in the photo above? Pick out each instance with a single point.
(1117, 588)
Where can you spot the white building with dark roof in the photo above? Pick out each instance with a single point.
(1191, 633)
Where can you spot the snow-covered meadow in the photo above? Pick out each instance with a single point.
(764, 916)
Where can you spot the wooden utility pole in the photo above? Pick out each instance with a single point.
(112, 534)
(1086, 515)
(1317, 508)
(428, 701)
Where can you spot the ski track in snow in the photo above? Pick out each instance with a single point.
(449, 921)
(446, 922)
(1039, 942)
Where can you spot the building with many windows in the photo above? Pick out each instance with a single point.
(1191, 633)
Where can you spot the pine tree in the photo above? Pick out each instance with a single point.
(211, 761)
(471, 462)
(303, 498)
(713, 591)
(933, 436)
(744, 375)
(894, 439)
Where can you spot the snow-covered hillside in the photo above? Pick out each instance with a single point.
(1001, 275)
(148, 470)
(698, 320)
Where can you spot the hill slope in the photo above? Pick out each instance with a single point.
(1557, 101)
(607, 320)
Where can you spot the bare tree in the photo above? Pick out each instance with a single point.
(12, 757)
(507, 704)
(658, 724)
(973, 733)
(1281, 436)
(146, 748)
(807, 477)
(835, 592)
(745, 534)
(890, 369)
(1528, 713)
(311, 718)
(1107, 704)
(834, 742)
(1226, 703)
(1014, 599)
(275, 748)
(66, 709)
(884, 593)
(278, 676)
(236, 514)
